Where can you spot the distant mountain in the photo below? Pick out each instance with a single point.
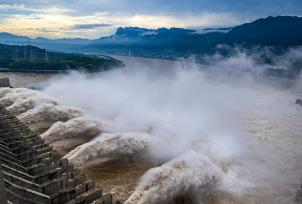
(281, 31)
(162, 42)
(272, 31)
(9, 38)
(65, 44)
(33, 59)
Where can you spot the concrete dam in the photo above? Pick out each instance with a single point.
(33, 173)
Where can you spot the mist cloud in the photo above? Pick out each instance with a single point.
(90, 26)
(220, 111)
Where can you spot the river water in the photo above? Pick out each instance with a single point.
(19, 79)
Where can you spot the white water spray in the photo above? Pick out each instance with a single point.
(72, 129)
(44, 116)
(22, 105)
(110, 146)
(9, 95)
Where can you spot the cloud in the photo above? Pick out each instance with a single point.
(247, 8)
(7, 10)
(90, 26)
(79, 18)
(12, 7)
(63, 23)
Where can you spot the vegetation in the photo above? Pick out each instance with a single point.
(32, 58)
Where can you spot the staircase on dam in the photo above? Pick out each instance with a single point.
(31, 172)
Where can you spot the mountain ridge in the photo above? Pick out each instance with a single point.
(280, 31)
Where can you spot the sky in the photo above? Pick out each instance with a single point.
(97, 18)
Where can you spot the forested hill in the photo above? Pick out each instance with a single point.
(31, 58)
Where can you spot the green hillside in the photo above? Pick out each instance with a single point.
(31, 58)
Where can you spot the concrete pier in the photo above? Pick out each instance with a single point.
(4, 82)
(299, 101)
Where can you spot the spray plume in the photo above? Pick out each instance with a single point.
(22, 105)
(108, 147)
(44, 116)
(10, 95)
(77, 127)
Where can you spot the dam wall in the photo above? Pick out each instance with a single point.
(31, 172)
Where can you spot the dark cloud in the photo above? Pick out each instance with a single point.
(167, 13)
(243, 8)
(90, 26)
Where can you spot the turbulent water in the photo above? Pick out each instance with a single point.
(73, 128)
(9, 96)
(109, 146)
(45, 115)
(188, 173)
(19, 79)
(217, 138)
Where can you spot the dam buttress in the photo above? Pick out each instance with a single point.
(31, 172)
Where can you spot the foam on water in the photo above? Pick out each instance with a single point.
(22, 105)
(5, 90)
(74, 128)
(191, 173)
(110, 146)
(9, 95)
(45, 115)
(205, 178)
